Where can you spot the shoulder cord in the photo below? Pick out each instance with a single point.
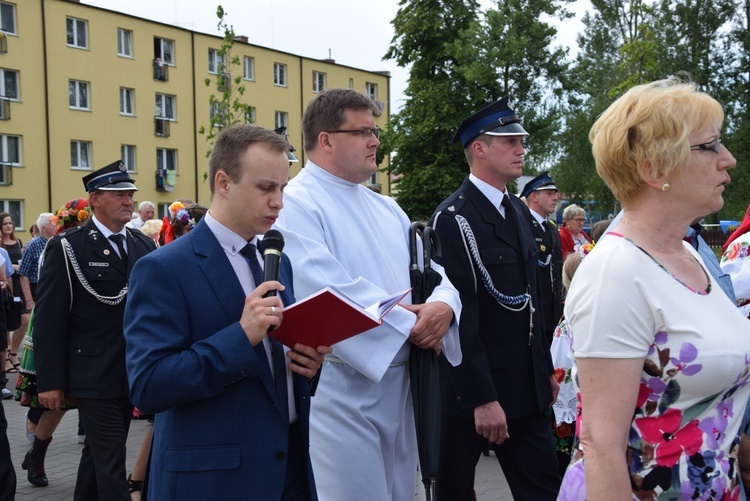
(108, 300)
(513, 303)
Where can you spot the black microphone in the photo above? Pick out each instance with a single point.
(273, 243)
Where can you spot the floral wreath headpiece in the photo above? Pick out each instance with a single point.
(179, 213)
(71, 214)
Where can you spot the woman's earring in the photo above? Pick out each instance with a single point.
(665, 187)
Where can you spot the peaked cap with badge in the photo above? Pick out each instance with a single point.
(497, 119)
(112, 177)
(539, 183)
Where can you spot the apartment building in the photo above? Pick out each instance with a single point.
(81, 86)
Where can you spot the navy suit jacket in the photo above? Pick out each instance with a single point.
(500, 361)
(218, 432)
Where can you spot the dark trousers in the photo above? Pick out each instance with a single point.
(528, 458)
(296, 485)
(101, 472)
(7, 473)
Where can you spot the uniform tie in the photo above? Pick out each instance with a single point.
(509, 212)
(277, 349)
(118, 240)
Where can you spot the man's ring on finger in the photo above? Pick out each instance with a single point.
(273, 310)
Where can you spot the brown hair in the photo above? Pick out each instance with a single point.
(3, 215)
(325, 112)
(233, 142)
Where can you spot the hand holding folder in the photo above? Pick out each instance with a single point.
(327, 317)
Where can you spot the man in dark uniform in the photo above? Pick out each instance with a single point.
(540, 195)
(79, 348)
(502, 390)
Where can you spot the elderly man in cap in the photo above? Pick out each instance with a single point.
(502, 390)
(79, 348)
(540, 195)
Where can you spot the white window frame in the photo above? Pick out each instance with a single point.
(248, 68)
(371, 90)
(124, 42)
(83, 148)
(165, 98)
(5, 139)
(280, 119)
(163, 157)
(215, 61)
(213, 110)
(164, 42)
(127, 97)
(6, 19)
(74, 98)
(78, 25)
(319, 81)
(250, 116)
(127, 154)
(3, 92)
(279, 74)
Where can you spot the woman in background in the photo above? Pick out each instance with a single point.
(571, 232)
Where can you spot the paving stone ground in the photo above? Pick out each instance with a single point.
(64, 454)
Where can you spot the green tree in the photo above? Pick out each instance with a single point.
(429, 166)
(226, 105)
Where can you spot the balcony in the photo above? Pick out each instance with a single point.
(161, 70)
(161, 128)
(6, 174)
(4, 108)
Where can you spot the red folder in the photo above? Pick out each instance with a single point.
(327, 317)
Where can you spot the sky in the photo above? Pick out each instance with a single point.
(352, 32)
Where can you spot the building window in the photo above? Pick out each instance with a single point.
(77, 33)
(8, 20)
(164, 50)
(215, 61)
(78, 95)
(371, 90)
(281, 118)
(10, 150)
(165, 106)
(351, 83)
(127, 101)
(166, 159)
(279, 74)
(319, 81)
(250, 116)
(218, 114)
(8, 83)
(127, 154)
(124, 42)
(80, 155)
(248, 68)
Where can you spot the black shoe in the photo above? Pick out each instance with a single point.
(34, 462)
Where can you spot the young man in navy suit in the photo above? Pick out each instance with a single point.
(231, 412)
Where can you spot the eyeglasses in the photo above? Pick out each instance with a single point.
(366, 132)
(714, 146)
(579, 219)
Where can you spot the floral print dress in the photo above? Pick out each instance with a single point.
(684, 435)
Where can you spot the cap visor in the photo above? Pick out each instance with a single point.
(507, 130)
(122, 186)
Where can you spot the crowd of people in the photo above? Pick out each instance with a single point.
(626, 350)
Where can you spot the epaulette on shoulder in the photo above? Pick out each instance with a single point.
(70, 231)
(453, 204)
(138, 234)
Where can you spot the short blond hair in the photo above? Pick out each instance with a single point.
(645, 133)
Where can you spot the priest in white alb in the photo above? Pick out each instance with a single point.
(339, 233)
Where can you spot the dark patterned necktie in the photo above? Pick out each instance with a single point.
(277, 349)
(118, 240)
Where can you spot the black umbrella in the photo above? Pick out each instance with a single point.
(423, 364)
